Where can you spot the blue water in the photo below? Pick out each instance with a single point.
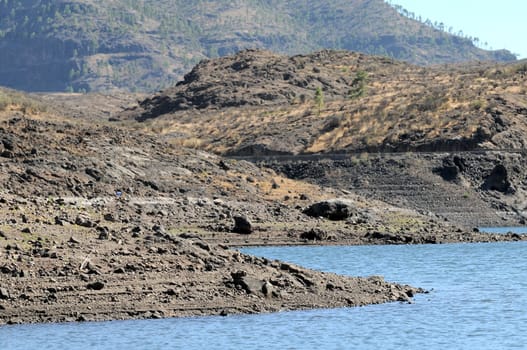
(478, 301)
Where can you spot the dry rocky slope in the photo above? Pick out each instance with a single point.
(101, 222)
(448, 139)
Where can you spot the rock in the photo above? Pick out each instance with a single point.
(498, 180)
(171, 292)
(96, 174)
(314, 234)
(242, 225)
(4, 294)
(267, 289)
(223, 165)
(59, 221)
(224, 313)
(119, 270)
(449, 170)
(84, 221)
(73, 240)
(95, 286)
(109, 217)
(159, 229)
(250, 284)
(203, 245)
(333, 209)
(104, 232)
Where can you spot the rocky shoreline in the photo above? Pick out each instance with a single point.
(161, 276)
(102, 223)
(79, 269)
(158, 275)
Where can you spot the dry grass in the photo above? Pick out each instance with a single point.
(11, 100)
(402, 104)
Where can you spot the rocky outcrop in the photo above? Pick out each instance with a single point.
(451, 169)
(498, 180)
(333, 209)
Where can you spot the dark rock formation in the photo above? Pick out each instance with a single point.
(95, 286)
(451, 168)
(242, 225)
(314, 235)
(333, 209)
(498, 180)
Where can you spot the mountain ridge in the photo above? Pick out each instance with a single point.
(84, 45)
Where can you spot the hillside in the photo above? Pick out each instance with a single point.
(267, 103)
(85, 45)
(448, 139)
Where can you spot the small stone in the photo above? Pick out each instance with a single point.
(267, 289)
(84, 221)
(109, 217)
(95, 286)
(119, 270)
(4, 294)
(59, 221)
(170, 292)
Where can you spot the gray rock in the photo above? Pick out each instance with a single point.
(4, 294)
(267, 289)
(84, 221)
(250, 284)
(332, 209)
(451, 169)
(109, 217)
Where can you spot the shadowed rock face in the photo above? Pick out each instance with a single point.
(451, 169)
(498, 180)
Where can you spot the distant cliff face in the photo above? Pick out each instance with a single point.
(83, 45)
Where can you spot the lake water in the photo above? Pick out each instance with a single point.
(478, 301)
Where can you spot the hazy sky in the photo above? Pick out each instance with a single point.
(500, 23)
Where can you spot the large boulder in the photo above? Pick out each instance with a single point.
(242, 225)
(498, 180)
(332, 209)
